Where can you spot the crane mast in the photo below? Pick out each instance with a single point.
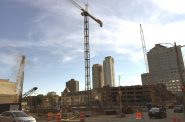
(87, 52)
(86, 15)
(20, 79)
(144, 48)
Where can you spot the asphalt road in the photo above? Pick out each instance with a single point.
(171, 116)
(131, 118)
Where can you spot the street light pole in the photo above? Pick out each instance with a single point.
(120, 100)
(119, 77)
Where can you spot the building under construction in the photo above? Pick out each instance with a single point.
(110, 97)
(166, 66)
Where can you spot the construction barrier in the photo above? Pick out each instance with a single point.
(139, 115)
(179, 120)
(175, 119)
(82, 117)
(58, 117)
(50, 117)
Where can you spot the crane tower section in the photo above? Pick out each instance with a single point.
(86, 50)
(86, 15)
(144, 48)
(20, 78)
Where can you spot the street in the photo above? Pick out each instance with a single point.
(171, 117)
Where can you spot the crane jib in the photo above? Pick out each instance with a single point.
(85, 13)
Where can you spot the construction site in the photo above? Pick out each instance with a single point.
(104, 99)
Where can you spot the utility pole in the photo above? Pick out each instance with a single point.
(120, 94)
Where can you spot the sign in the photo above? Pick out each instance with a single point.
(14, 107)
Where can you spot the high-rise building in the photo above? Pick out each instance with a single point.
(73, 85)
(108, 68)
(97, 75)
(163, 67)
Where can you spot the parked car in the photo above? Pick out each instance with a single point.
(178, 109)
(16, 116)
(157, 113)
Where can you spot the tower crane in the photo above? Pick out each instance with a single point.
(86, 15)
(144, 47)
(20, 79)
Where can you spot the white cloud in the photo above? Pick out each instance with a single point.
(119, 35)
(67, 59)
(60, 25)
(17, 43)
(173, 6)
(166, 33)
(10, 58)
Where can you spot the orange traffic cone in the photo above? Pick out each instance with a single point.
(174, 118)
(82, 117)
(50, 117)
(58, 117)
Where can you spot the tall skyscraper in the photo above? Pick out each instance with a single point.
(98, 78)
(163, 67)
(108, 68)
(73, 85)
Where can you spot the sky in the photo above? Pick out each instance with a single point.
(50, 34)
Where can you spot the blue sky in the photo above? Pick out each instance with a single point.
(50, 34)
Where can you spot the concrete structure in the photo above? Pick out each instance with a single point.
(108, 68)
(108, 97)
(163, 67)
(8, 98)
(73, 85)
(7, 91)
(73, 98)
(7, 87)
(135, 95)
(97, 76)
(51, 93)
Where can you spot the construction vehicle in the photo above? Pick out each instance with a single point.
(13, 101)
(29, 92)
(26, 101)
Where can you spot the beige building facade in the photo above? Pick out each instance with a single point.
(7, 91)
(163, 67)
(97, 75)
(7, 87)
(109, 74)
